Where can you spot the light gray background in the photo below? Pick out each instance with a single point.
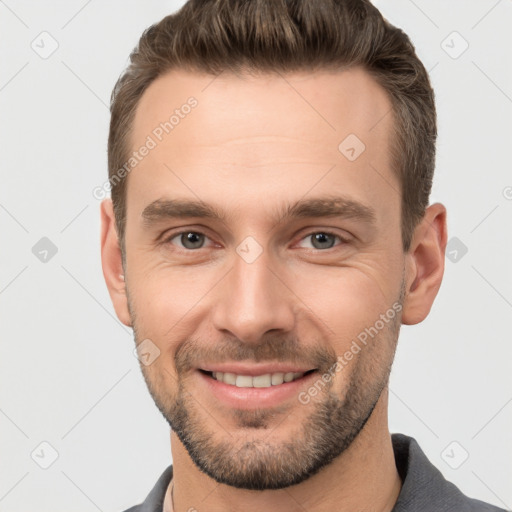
(68, 374)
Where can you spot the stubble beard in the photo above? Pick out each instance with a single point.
(251, 456)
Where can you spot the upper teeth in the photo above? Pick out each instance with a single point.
(258, 381)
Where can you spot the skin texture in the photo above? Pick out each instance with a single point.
(251, 146)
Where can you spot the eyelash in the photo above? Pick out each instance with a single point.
(329, 233)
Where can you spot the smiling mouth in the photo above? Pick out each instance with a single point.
(266, 380)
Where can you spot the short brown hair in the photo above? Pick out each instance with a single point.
(284, 36)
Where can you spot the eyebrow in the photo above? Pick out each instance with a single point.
(164, 209)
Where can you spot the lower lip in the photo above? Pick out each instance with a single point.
(251, 398)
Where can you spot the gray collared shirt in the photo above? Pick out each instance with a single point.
(424, 489)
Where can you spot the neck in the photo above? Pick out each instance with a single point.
(362, 478)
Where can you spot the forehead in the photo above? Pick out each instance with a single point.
(330, 103)
(238, 132)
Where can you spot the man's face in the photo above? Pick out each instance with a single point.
(259, 292)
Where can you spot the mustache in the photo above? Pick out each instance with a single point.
(193, 353)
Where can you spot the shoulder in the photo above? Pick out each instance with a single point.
(424, 488)
(480, 506)
(155, 499)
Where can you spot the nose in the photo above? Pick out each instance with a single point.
(252, 300)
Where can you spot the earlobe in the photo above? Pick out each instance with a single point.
(111, 261)
(425, 265)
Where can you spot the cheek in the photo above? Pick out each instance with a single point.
(346, 300)
(165, 300)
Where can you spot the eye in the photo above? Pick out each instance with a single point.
(189, 239)
(193, 240)
(322, 240)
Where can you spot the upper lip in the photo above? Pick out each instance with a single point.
(252, 369)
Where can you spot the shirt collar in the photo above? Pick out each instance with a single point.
(423, 486)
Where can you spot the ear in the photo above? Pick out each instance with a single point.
(111, 262)
(425, 265)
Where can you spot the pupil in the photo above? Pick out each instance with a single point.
(323, 238)
(191, 240)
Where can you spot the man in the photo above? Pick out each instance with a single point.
(269, 231)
